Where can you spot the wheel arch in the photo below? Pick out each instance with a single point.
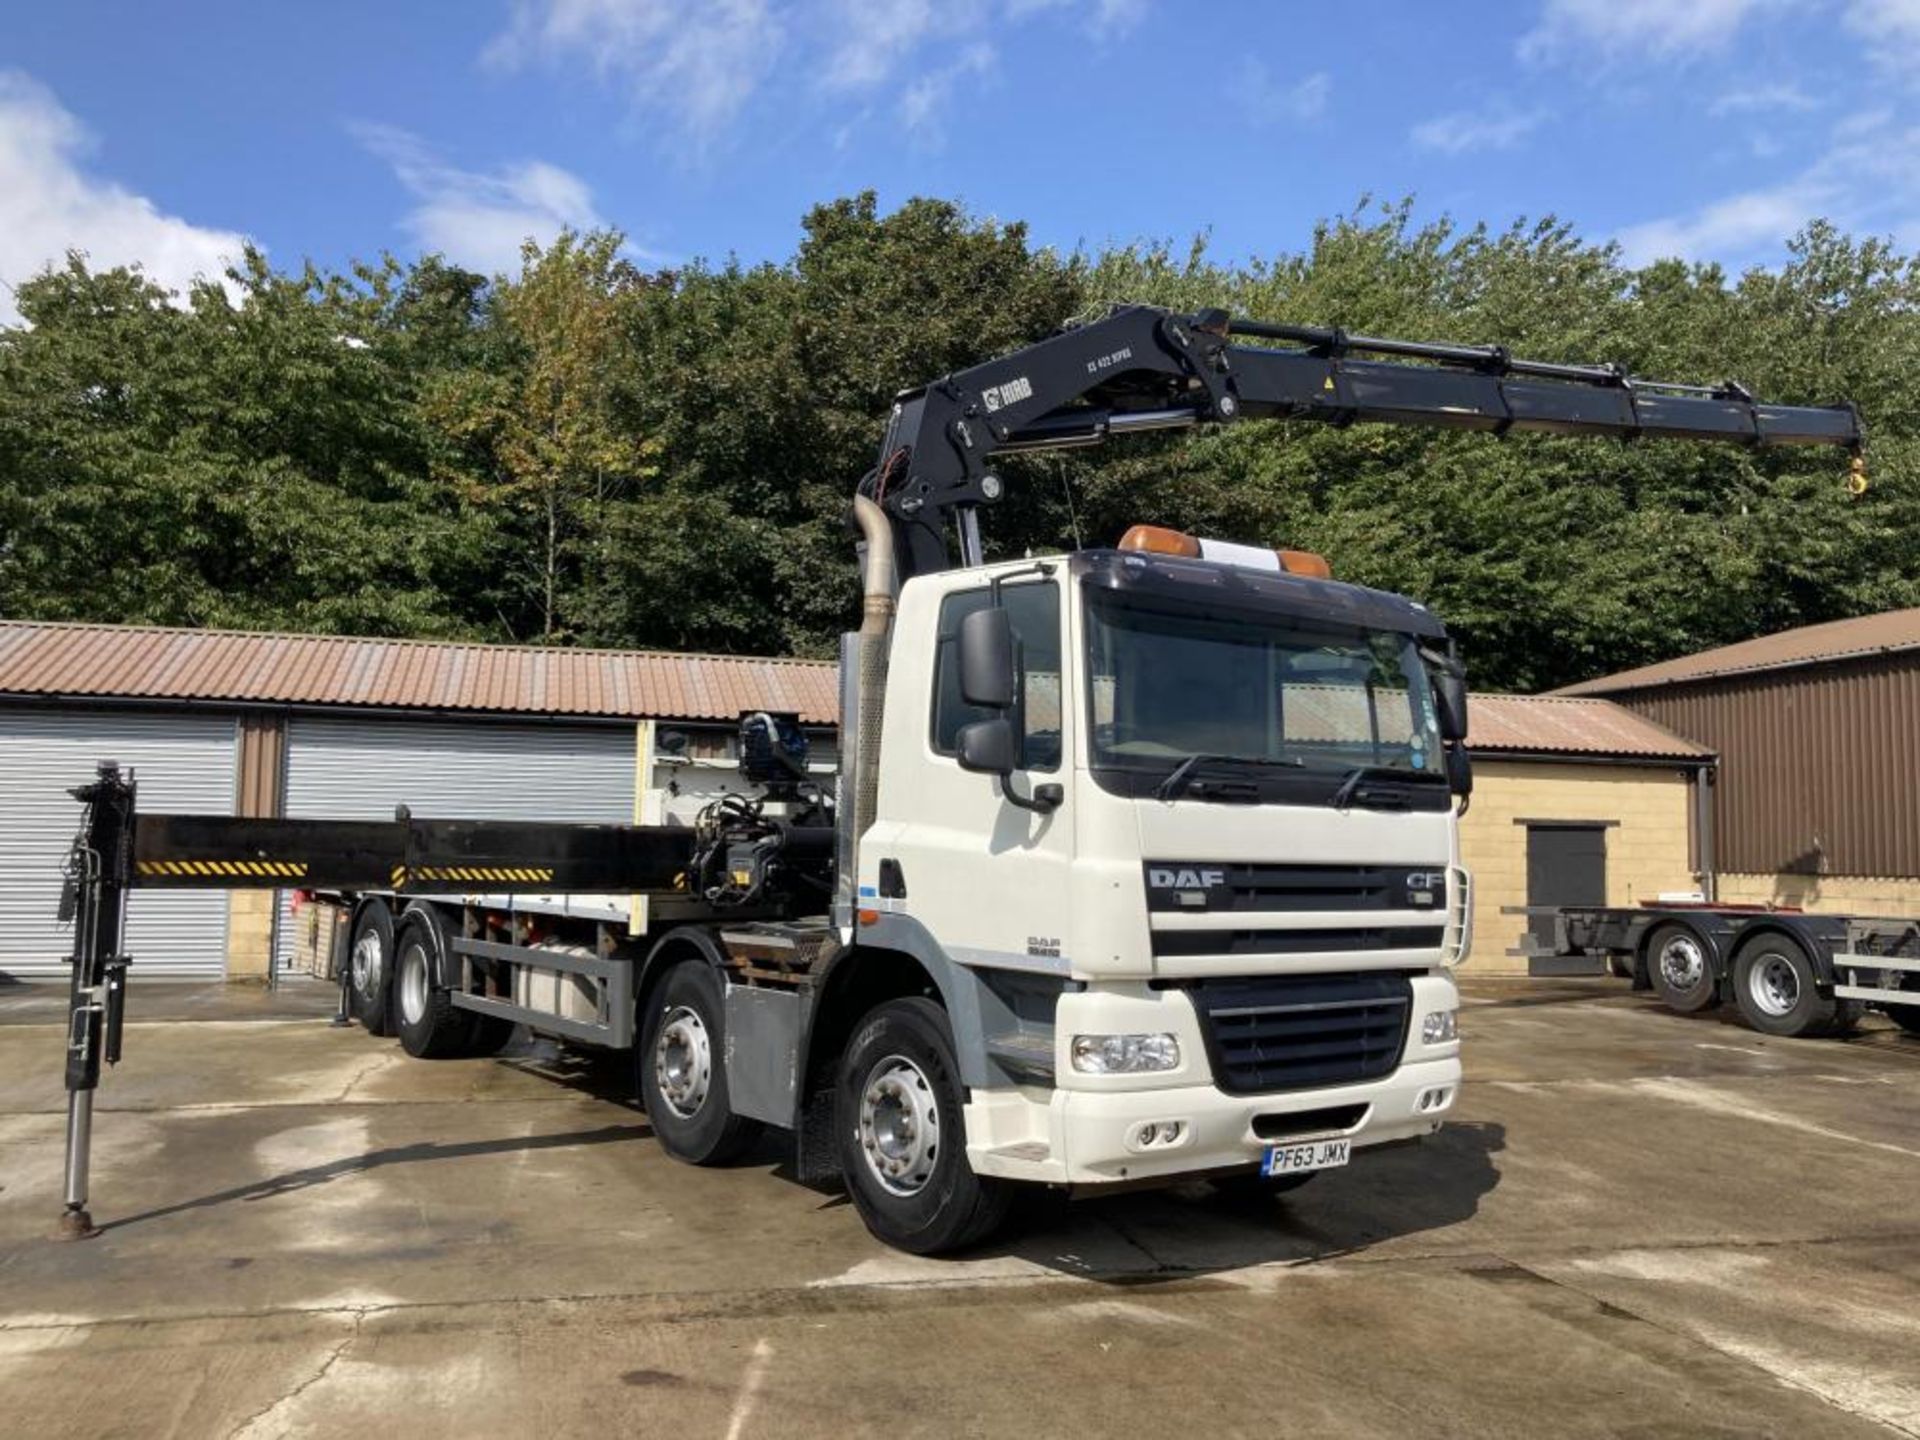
(677, 946)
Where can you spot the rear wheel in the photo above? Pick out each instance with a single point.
(902, 1138)
(1775, 988)
(430, 1026)
(1907, 1017)
(683, 1073)
(1681, 969)
(370, 968)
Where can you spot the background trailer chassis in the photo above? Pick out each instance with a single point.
(1789, 972)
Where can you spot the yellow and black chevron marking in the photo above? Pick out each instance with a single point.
(212, 869)
(399, 877)
(522, 874)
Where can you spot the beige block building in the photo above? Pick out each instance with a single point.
(1575, 802)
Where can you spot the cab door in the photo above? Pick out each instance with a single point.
(985, 876)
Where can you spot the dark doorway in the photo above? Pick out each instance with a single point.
(1566, 865)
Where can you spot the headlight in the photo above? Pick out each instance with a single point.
(1125, 1054)
(1438, 1027)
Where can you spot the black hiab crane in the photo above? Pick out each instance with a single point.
(1137, 369)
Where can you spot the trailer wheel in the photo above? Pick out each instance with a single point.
(370, 968)
(1907, 1017)
(1681, 969)
(683, 1071)
(902, 1138)
(1774, 986)
(430, 1026)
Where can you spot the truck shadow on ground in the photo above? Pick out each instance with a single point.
(292, 1181)
(1194, 1229)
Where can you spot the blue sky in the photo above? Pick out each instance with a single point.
(1705, 128)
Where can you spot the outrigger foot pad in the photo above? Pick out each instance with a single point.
(75, 1225)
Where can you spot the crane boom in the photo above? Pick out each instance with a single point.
(1144, 368)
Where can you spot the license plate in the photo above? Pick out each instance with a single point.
(1313, 1155)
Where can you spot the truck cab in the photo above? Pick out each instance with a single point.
(1174, 824)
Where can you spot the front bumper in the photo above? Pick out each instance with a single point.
(1082, 1137)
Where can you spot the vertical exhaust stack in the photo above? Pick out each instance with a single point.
(863, 693)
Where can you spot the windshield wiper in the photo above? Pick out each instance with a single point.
(1177, 777)
(1350, 787)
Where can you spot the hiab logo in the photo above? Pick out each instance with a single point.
(1186, 879)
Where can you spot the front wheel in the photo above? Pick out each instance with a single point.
(902, 1137)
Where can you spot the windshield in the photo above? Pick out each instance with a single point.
(1169, 684)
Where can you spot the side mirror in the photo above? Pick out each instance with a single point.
(986, 746)
(986, 660)
(1459, 771)
(1450, 698)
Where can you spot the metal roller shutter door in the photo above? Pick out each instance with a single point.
(359, 769)
(184, 763)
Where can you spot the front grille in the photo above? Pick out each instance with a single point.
(1296, 1032)
(1178, 885)
(1296, 942)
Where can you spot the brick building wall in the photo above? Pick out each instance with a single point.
(1646, 811)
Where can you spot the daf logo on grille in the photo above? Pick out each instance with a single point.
(1171, 879)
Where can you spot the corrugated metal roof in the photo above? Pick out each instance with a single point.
(1561, 725)
(143, 662)
(1886, 633)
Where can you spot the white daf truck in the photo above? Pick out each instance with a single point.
(1142, 863)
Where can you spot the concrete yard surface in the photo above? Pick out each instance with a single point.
(1638, 1224)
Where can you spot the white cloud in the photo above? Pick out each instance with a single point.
(1580, 30)
(1868, 178)
(1267, 101)
(480, 219)
(49, 205)
(1892, 29)
(923, 105)
(691, 67)
(873, 37)
(1763, 99)
(694, 69)
(1468, 130)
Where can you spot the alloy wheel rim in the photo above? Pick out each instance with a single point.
(413, 983)
(683, 1062)
(1681, 962)
(899, 1130)
(1774, 985)
(367, 961)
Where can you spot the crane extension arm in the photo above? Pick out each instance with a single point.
(1143, 368)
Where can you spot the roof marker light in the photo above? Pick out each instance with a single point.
(1305, 562)
(1158, 540)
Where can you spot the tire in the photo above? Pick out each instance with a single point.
(683, 1073)
(1907, 1017)
(1773, 984)
(370, 968)
(1680, 966)
(902, 1137)
(429, 1025)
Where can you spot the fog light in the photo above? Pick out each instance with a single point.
(1124, 1054)
(1438, 1027)
(1170, 1132)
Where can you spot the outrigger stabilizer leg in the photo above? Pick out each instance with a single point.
(94, 900)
